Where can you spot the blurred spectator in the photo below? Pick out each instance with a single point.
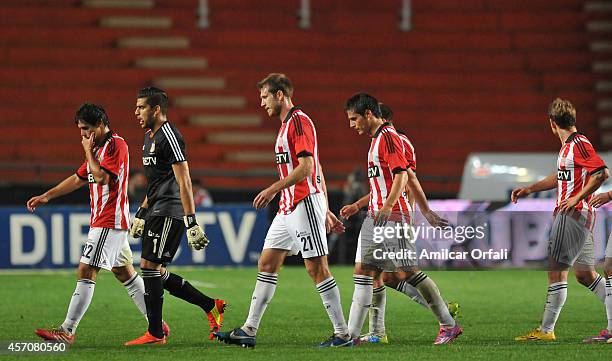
(137, 187)
(201, 196)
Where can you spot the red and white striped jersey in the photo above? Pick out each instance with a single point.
(576, 162)
(386, 157)
(110, 207)
(296, 138)
(408, 150)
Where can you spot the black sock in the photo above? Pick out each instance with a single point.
(181, 288)
(154, 299)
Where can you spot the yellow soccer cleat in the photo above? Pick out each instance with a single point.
(537, 335)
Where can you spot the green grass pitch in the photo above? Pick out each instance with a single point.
(496, 306)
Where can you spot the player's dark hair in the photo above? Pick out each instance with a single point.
(386, 112)
(361, 102)
(155, 97)
(276, 82)
(563, 113)
(91, 114)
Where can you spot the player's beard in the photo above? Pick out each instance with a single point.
(150, 121)
(276, 110)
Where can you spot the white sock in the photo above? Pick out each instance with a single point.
(362, 299)
(263, 293)
(377, 311)
(413, 293)
(598, 287)
(81, 298)
(430, 292)
(557, 293)
(330, 295)
(609, 302)
(136, 289)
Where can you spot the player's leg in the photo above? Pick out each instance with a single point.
(363, 277)
(318, 269)
(81, 298)
(376, 322)
(606, 334)
(584, 270)
(395, 280)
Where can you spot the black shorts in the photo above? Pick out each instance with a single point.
(161, 239)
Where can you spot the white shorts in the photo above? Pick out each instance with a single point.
(303, 230)
(587, 253)
(567, 239)
(107, 248)
(374, 249)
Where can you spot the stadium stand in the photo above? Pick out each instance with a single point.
(470, 76)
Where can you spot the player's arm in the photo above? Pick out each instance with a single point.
(550, 182)
(399, 182)
(100, 176)
(595, 181)
(416, 191)
(601, 199)
(66, 186)
(195, 234)
(332, 223)
(298, 174)
(137, 228)
(348, 210)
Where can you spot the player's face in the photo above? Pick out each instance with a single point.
(269, 102)
(87, 130)
(144, 113)
(357, 122)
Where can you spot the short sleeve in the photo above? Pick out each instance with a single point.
(114, 157)
(302, 133)
(174, 147)
(392, 152)
(82, 171)
(410, 154)
(586, 157)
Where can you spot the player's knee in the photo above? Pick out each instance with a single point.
(585, 278)
(123, 273)
(268, 267)
(390, 279)
(86, 271)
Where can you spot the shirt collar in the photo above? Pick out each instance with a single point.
(291, 111)
(385, 124)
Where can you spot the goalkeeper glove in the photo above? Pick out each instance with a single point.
(195, 235)
(138, 223)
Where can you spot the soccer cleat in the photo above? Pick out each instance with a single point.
(454, 310)
(165, 328)
(372, 337)
(337, 341)
(448, 335)
(56, 335)
(237, 337)
(604, 336)
(537, 335)
(215, 318)
(146, 339)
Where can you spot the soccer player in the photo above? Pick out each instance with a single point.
(580, 171)
(106, 170)
(303, 216)
(167, 212)
(606, 334)
(413, 191)
(388, 207)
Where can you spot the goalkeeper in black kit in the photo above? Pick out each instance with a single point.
(168, 211)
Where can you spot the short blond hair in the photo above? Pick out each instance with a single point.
(563, 113)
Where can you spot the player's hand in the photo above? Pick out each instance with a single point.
(347, 211)
(89, 142)
(333, 224)
(382, 216)
(36, 201)
(263, 198)
(138, 223)
(519, 193)
(567, 204)
(600, 199)
(435, 220)
(195, 234)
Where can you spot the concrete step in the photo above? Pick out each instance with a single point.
(154, 42)
(257, 156)
(210, 101)
(211, 120)
(603, 86)
(598, 6)
(243, 138)
(599, 26)
(161, 62)
(601, 46)
(604, 105)
(602, 66)
(605, 123)
(125, 4)
(190, 83)
(148, 22)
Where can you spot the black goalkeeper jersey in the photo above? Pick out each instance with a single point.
(159, 153)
